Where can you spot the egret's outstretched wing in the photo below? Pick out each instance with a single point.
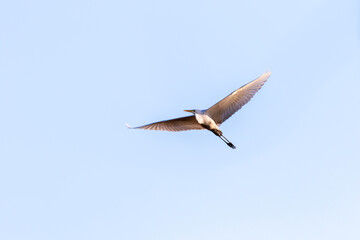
(233, 102)
(174, 125)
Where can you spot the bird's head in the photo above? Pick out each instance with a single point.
(190, 111)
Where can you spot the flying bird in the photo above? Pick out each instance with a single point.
(214, 116)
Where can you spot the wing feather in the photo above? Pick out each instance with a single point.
(174, 125)
(236, 100)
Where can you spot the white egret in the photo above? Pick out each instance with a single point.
(214, 116)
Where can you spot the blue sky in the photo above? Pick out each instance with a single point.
(73, 72)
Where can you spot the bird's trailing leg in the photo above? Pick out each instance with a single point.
(222, 137)
(227, 142)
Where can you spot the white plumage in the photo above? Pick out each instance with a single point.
(212, 117)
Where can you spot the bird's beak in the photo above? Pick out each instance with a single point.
(190, 111)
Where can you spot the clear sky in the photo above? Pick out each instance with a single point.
(72, 73)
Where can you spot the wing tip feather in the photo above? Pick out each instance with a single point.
(267, 73)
